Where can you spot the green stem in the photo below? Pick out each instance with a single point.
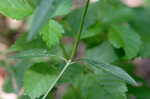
(77, 40)
(73, 51)
(59, 76)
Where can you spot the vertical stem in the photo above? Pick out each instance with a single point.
(77, 40)
(73, 51)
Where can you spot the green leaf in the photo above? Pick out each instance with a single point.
(143, 30)
(102, 53)
(16, 74)
(100, 86)
(34, 3)
(8, 85)
(51, 33)
(19, 70)
(22, 43)
(113, 13)
(38, 79)
(72, 93)
(144, 53)
(141, 92)
(33, 53)
(46, 10)
(117, 15)
(92, 31)
(41, 16)
(114, 70)
(2, 63)
(17, 9)
(122, 36)
(63, 7)
(73, 72)
(91, 17)
(24, 97)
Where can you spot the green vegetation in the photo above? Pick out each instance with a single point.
(114, 35)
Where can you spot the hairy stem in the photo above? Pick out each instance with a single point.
(77, 40)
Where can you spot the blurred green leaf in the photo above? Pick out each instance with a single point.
(8, 85)
(72, 93)
(41, 17)
(38, 79)
(73, 24)
(141, 24)
(10, 7)
(63, 7)
(51, 8)
(18, 71)
(144, 52)
(24, 97)
(22, 44)
(34, 3)
(102, 53)
(99, 86)
(140, 92)
(52, 33)
(14, 81)
(73, 72)
(92, 31)
(2, 63)
(123, 36)
(113, 11)
(114, 70)
(32, 53)
(116, 15)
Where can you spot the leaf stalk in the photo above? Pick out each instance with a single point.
(77, 40)
(59, 76)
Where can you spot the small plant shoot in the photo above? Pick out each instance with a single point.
(77, 49)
